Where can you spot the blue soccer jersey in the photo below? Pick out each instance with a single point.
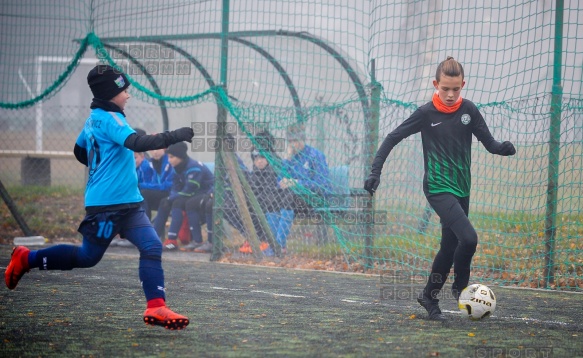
(112, 171)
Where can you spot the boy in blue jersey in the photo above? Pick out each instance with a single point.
(112, 198)
(447, 124)
(144, 173)
(192, 193)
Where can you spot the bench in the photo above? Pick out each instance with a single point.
(346, 204)
(35, 167)
(344, 200)
(46, 154)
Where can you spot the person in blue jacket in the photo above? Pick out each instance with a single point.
(305, 173)
(191, 192)
(144, 171)
(304, 166)
(112, 198)
(158, 186)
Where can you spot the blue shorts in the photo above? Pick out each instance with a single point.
(132, 224)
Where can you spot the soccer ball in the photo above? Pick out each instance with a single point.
(477, 302)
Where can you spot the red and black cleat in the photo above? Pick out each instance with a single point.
(163, 316)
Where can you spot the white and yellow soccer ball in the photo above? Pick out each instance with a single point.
(477, 302)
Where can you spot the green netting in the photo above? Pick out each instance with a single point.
(247, 66)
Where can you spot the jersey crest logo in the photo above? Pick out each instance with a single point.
(466, 118)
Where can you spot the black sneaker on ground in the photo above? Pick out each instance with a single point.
(204, 248)
(191, 246)
(432, 307)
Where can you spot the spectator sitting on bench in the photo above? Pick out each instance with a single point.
(143, 170)
(230, 209)
(158, 187)
(272, 199)
(191, 192)
(304, 169)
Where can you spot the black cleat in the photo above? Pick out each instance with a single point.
(432, 307)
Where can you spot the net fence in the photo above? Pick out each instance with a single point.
(241, 69)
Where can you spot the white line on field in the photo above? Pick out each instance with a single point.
(258, 291)
(510, 318)
(228, 289)
(353, 301)
(534, 320)
(278, 294)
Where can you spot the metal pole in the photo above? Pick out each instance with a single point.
(14, 210)
(220, 170)
(554, 148)
(372, 133)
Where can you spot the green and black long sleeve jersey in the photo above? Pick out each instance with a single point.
(447, 146)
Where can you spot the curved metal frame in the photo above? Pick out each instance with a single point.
(235, 36)
(210, 81)
(336, 55)
(150, 79)
(282, 72)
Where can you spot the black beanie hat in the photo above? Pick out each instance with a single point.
(265, 143)
(106, 82)
(178, 150)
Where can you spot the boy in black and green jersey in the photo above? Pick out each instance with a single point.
(447, 124)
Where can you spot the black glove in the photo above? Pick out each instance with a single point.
(183, 134)
(506, 149)
(372, 183)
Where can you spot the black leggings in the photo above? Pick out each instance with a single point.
(458, 244)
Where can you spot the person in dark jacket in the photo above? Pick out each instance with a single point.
(447, 124)
(273, 200)
(191, 192)
(230, 209)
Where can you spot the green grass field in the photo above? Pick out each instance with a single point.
(249, 311)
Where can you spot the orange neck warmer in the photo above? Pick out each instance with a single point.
(440, 106)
